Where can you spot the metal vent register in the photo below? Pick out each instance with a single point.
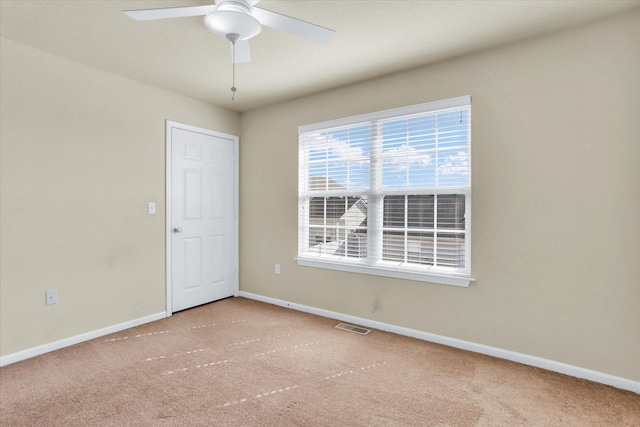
(352, 328)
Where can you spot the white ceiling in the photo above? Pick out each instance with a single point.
(373, 38)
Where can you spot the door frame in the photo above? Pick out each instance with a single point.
(170, 125)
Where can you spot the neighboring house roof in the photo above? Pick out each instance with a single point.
(324, 183)
(336, 206)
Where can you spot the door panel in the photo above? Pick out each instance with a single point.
(193, 263)
(202, 218)
(193, 194)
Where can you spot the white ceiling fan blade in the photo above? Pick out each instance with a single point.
(296, 27)
(170, 12)
(243, 53)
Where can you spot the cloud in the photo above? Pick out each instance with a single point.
(400, 158)
(339, 150)
(455, 164)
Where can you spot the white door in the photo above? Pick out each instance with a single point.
(203, 238)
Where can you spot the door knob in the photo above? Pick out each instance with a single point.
(177, 230)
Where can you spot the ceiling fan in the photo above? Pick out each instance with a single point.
(238, 21)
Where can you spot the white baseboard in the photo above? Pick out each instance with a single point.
(66, 342)
(538, 362)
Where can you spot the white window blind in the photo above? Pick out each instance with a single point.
(389, 192)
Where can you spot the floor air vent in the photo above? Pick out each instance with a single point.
(352, 328)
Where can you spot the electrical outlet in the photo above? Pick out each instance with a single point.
(277, 269)
(52, 297)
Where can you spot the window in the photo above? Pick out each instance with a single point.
(389, 193)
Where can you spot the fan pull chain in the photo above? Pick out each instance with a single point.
(233, 71)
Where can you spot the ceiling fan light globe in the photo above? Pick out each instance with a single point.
(225, 22)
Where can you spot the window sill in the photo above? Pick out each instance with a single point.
(387, 271)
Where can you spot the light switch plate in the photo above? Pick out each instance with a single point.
(51, 297)
(152, 208)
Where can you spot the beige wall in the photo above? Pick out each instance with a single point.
(556, 200)
(82, 153)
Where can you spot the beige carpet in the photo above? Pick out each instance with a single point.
(239, 362)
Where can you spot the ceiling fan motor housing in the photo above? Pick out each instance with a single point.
(232, 19)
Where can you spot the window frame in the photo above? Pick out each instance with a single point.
(375, 195)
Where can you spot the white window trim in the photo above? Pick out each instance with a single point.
(383, 269)
(436, 275)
